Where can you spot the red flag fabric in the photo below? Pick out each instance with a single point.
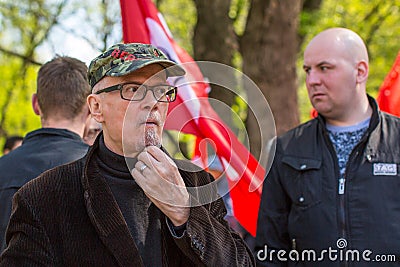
(389, 92)
(193, 114)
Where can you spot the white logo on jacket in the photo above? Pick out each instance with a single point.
(385, 169)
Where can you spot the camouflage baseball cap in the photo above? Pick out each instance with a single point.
(121, 59)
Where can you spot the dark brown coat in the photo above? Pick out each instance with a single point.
(69, 217)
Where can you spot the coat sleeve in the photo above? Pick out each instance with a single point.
(27, 242)
(209, 241)
(272, 225)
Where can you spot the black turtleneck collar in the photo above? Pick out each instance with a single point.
(114, 164)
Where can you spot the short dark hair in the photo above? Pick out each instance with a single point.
(10, 142)
(62, 87)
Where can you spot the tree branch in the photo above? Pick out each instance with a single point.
(23, 57)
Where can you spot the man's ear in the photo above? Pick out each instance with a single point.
(35, 105)
(362, 71)
(95, 107)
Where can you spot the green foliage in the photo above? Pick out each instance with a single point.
(23, 118)
(181, 17)
(26, 23)
(15, 98)
(238, 13)
(375, 21)
(24, 26)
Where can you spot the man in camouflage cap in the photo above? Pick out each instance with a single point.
(126, 202)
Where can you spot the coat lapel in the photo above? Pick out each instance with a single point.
(107, 218)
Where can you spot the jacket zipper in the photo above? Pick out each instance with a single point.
(342, 207)
(341, 210)
(342, 182)
(342, 213)
(342, 196)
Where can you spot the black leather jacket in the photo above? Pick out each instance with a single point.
(302, 210)
(41, 150)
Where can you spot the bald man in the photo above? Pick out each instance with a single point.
(331, 197)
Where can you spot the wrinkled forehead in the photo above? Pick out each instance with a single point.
(150, 74)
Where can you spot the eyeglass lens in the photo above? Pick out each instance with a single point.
(135, 92)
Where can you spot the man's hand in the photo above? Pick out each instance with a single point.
(161, 181)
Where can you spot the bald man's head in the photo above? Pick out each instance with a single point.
(336, 66)
(343, 41)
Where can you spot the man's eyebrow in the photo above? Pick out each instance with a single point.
(324, 63)
(318, 65)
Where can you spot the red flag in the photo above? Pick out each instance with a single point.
(143, 23)
(389, 92)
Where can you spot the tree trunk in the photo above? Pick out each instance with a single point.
(311, 5)
(269, 47)
(216, 41)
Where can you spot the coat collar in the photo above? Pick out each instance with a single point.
(372, 135)
(39, 133)
(374, 117)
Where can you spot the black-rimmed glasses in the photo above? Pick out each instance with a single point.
(137, 92)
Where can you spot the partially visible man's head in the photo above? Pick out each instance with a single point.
(62, 87)
(12, 143)
(92, 129)
(121, 78)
